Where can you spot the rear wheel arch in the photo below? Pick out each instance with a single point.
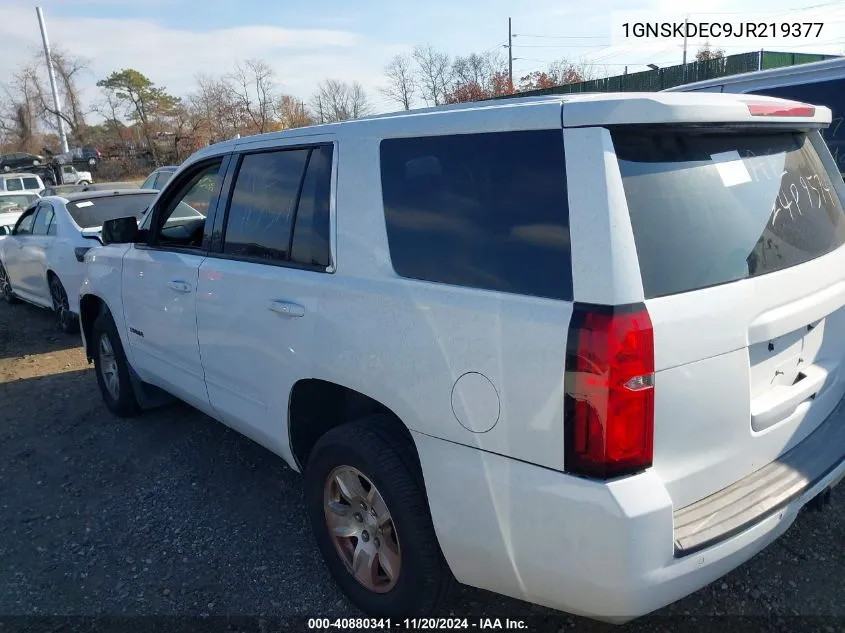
(317, 406)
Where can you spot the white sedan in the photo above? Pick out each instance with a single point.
(42, 260)
(12, 205)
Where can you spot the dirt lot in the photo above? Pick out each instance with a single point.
(173, 514)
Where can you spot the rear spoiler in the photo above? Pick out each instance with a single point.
(682, 108)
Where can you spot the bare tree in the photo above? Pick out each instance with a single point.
(435, 74)
(108, 109)
(478, 68)
(337, 100)
(254, 89)
(401, 80)
(215, 100)
(292, 112)
(19, 116)
(68, 70)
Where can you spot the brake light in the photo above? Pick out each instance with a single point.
(781, 109)
(609, 391)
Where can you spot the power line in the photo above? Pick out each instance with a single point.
(563, 37)
(561, 45)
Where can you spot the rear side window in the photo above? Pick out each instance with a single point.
(43, 219)
(279, 211)
(14, 184)
(710, 208)
(31, 183)
(485, 211)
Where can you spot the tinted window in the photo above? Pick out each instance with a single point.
(182, 218)
(708, 209)
(25, 224)
(263, 205)
(31, 183)
(311, 232)
(481, 210)
(162, 178)
(43, 219)
(91, 213)
(14, 184)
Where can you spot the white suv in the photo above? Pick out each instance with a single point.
(584, 350)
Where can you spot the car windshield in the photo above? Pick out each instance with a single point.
(92, 212)
(16, 204)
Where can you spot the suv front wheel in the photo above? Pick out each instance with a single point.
(366, 502)
(112, 368)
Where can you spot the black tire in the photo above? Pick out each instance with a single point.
(123, 404)
(6, 287)
(67, 320)
(377, 448)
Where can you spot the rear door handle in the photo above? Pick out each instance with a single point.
(286, 308)
(179, 286)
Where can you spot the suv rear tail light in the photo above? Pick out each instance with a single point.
(781, 109)
(609, 391)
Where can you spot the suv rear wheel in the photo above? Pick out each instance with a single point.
(366, 501)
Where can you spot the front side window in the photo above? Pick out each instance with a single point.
(31, 183)
(485, 211)
(182, 217)
(24, 226)
(712, 208)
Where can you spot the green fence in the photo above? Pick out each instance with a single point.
(671, 76)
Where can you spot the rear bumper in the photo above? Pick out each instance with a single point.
(605, 551)
(765, 491)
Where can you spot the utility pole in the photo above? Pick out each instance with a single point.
(510, 53)
(52, 75)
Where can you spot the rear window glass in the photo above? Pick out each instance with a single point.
(480, 210)
(16, 203)
(91, 213)
(708, 209)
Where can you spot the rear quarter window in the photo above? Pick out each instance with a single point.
(712, 208)
(484, 211)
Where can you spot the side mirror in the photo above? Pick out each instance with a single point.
(120, 230)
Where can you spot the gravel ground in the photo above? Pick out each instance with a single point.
(172, 514)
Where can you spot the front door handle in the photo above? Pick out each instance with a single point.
(286, 308)
(179, 286)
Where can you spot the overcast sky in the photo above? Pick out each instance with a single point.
(171, 41)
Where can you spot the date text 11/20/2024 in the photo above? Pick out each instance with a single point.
(416, 624)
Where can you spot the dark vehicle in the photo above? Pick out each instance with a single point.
(84, 156)
(19, 161)
(820, 83)
(159, 177)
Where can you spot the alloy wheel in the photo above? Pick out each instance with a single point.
(108, 367)
(362, 529)
(60, 302)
